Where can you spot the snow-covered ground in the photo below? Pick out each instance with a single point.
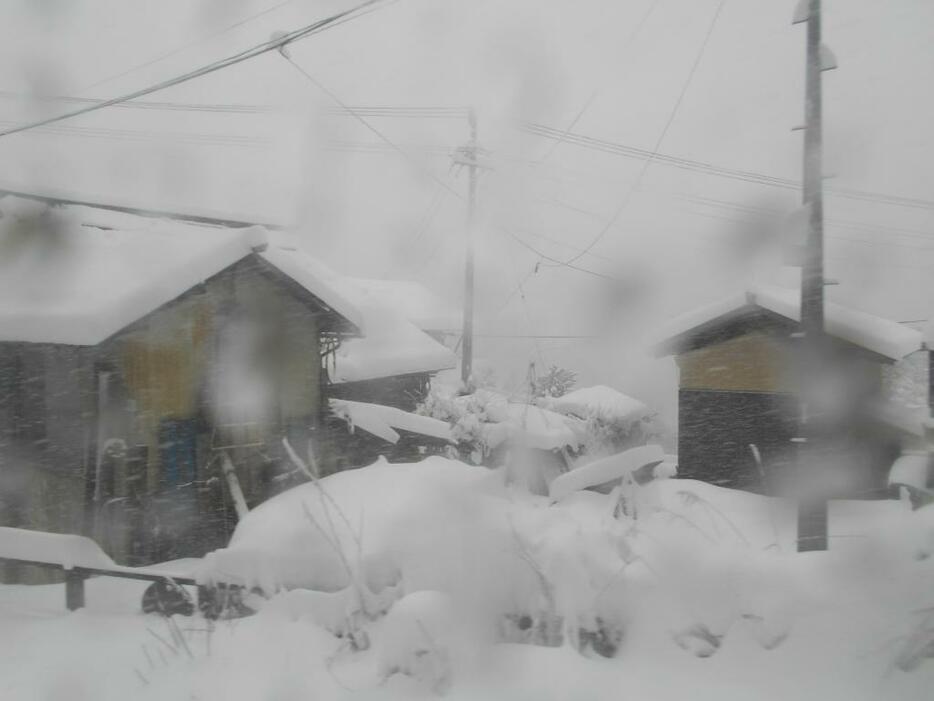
(424, 570)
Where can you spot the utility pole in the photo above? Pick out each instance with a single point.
(469, 158)
(812, 506)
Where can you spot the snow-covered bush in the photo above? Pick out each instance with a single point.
(578, 571)
(556, 382)
(470, 417)
(614, 422)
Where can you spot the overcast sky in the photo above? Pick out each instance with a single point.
(624, 70)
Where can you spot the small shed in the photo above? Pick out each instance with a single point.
(738, 412)
(136, 350)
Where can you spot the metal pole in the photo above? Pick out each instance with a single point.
(467, 332)
(812, 509)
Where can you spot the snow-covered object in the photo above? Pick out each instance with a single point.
(911, 469)
(667, 468)
(539, 428)
(415, 302)
(605, 470)
(69, 551)
(415, 639)
(390, 345)
(386, 518)
(599, 401)
(382, 421)
(883, 336)
(62, 549)
(802, 12)
(913, 421)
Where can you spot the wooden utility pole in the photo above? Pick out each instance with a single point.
(812, 507)
(470, 159)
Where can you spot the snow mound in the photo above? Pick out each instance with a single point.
(601, 402)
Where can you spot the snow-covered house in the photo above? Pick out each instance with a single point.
(737, 401)
(136, 350)
(375, 369)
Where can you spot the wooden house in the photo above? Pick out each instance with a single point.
(136, 352)
(738, 412)
(403, 390)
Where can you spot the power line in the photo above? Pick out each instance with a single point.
(271, 45)
(382, 137)
(525, 244)
(145, 105)
(149, 135)
(401, 112)
(629, 41)
(525, 308)
(187, 46)
(659, 141)
(719, 171)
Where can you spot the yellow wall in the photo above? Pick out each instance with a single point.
(754, 362)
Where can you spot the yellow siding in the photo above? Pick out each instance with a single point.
(162, 365)
(753, 363)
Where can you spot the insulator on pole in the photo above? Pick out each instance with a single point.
(279, 35)
(802, 12)
(828, 61)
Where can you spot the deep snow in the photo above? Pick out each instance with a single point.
(447, 548)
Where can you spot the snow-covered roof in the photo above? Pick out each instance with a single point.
(80, 274)
(390, 345)
(330, 287)
(83, 274)
(599, 401)
(415, 302)
(384, 421)
(883, 336)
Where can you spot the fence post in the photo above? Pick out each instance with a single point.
(74, 589)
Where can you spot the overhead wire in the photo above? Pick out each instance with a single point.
(180, 49)
(658, 143)
(150, 135)
(708, 168)
(145, 105)
(626, 46)
(258, 50)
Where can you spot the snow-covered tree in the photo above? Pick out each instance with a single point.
(556, 382)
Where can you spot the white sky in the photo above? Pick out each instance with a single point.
(683, 239)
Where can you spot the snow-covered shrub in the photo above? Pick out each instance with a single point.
(613, 421)
(578, 572)
(556, 382)
(470, 416)
(415, 639)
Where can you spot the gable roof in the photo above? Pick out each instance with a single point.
(415, 302)
(391, 344)
(76, 275)
(884, 337)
